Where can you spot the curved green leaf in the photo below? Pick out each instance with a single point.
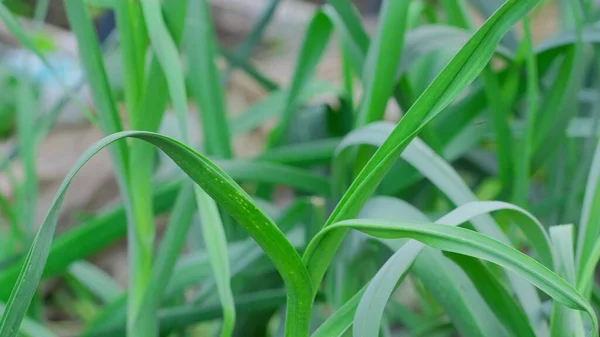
(459, 73)
(467, 242)
(214, 182)
(444, 177)
(370, 311)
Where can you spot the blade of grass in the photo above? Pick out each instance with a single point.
(212, 227)
(135, 193)
(449, 288)
(353, 37)
(589, 227)
(170, 248)
(216, 244)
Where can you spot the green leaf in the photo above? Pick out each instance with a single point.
(588, 249)
(341, 320)
(192, 269)
(302, 154)
(221, 188)
(498, 298)
(456, 13)
(379, 73)
(176, 317)
(216, 244)
(31, 328)
(92, 235)
(443, 176)
(92, 62)
(216, 132)
(565, 321)
(459, 72)
(28, 191)
(245, 48)
(449, 287)
(273, 105)
(438, 38)
(313, 47)
(370, 311)
(250, 70)
(277, 174)
(470, 243)
(551, 125)
(205, 81)
(95, 280)
(526, 145)
(133, 42)
(444, 281)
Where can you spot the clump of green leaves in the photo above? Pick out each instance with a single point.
(487, 113)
